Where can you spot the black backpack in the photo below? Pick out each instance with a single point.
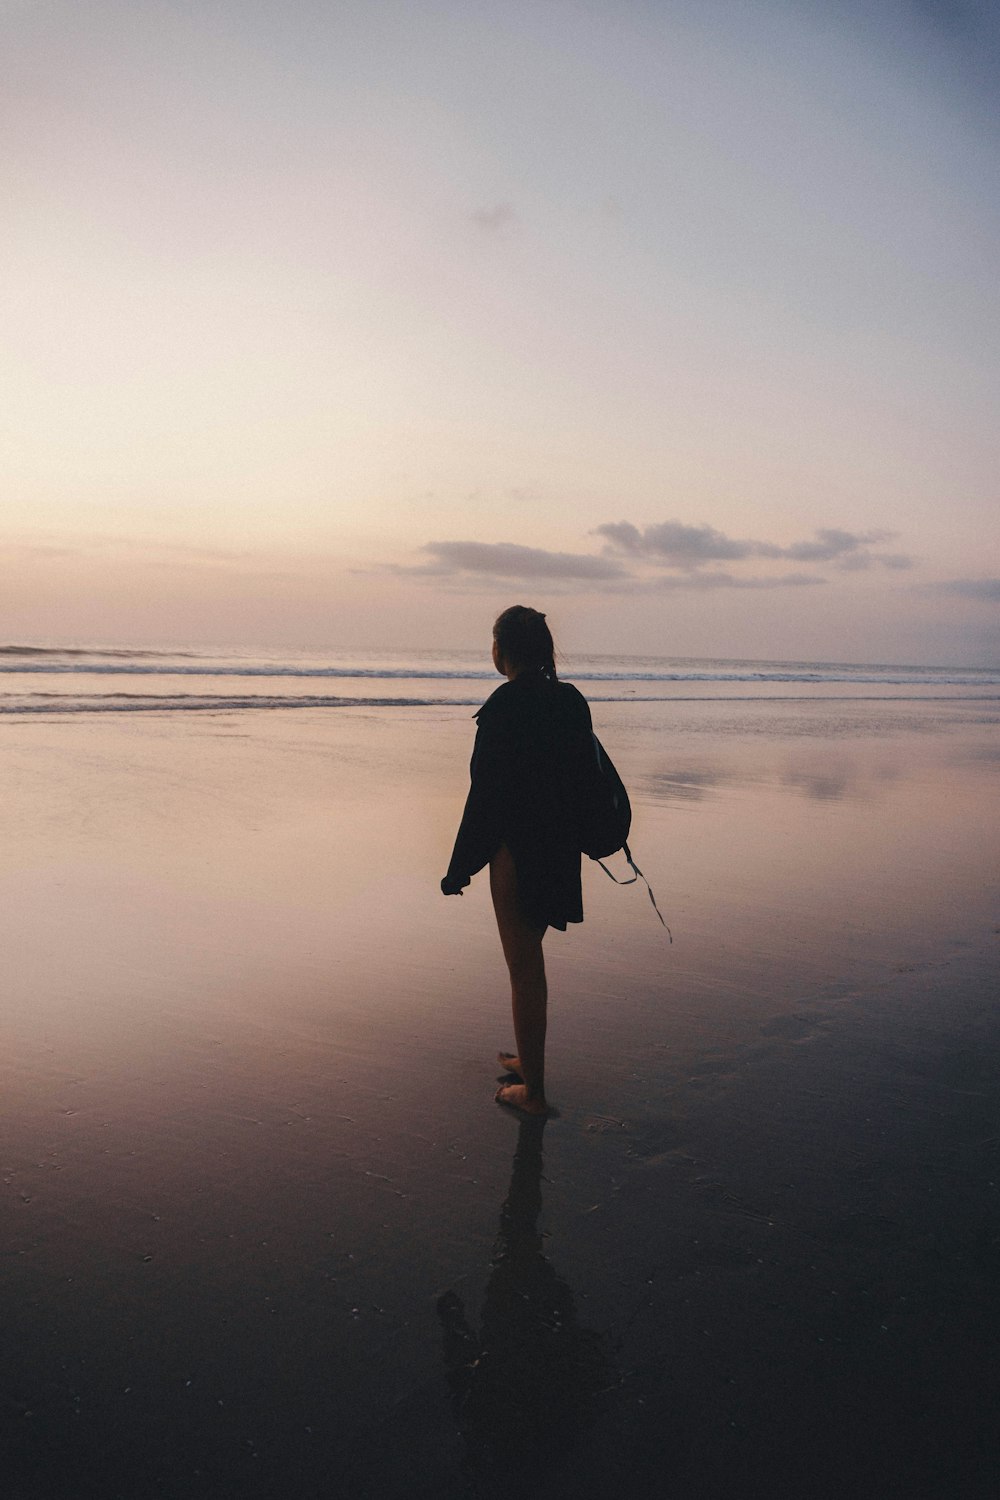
(605, 820)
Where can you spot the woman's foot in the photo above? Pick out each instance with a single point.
(510, 1062)
(516, 1096)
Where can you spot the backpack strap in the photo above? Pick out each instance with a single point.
(636, 875)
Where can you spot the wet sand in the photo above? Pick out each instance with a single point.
(266, 1233)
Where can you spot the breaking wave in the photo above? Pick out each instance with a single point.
(79, 679)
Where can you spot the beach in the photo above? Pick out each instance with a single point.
(268, 1233)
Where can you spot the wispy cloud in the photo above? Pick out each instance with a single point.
(850, 550)
(152, 551)
(714, 579)
(494, 220)
(27, 549)
(509, 560)
(857, 562)
(675, 544)
(986, 589)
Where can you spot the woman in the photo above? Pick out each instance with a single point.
(532, 746)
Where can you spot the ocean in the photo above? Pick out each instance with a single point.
(123, 679)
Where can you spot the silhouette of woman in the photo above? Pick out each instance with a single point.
(533, 743)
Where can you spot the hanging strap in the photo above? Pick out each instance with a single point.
(636, 875)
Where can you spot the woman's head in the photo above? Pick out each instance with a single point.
(522, 642)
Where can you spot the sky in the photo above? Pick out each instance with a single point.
(348, 324)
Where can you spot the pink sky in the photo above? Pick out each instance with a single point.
(348, 325)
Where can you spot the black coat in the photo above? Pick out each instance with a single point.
(533, 744)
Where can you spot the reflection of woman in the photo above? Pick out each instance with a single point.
(530, 1380)
(532, 744)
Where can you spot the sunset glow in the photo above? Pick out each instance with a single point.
(344, 326)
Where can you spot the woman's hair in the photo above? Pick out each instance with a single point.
(525, 641)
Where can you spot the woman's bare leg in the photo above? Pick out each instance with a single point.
(522, 948)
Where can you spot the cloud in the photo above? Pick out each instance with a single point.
(669, 556)
(831, 543)
(848, 549)
(674, 544)
(509, 560)
(857, 562)
(717, 580)
(986, 589)
(494, 220)
(512, 562)
(679, 545)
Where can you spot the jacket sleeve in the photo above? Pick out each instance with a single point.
(481, 831)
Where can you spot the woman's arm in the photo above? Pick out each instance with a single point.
(481, 831)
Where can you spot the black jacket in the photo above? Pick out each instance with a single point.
(532, 746)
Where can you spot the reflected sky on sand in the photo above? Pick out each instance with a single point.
(824, 775)
(255, 1169)
(818, 753)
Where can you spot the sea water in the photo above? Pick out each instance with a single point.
(122, 679)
